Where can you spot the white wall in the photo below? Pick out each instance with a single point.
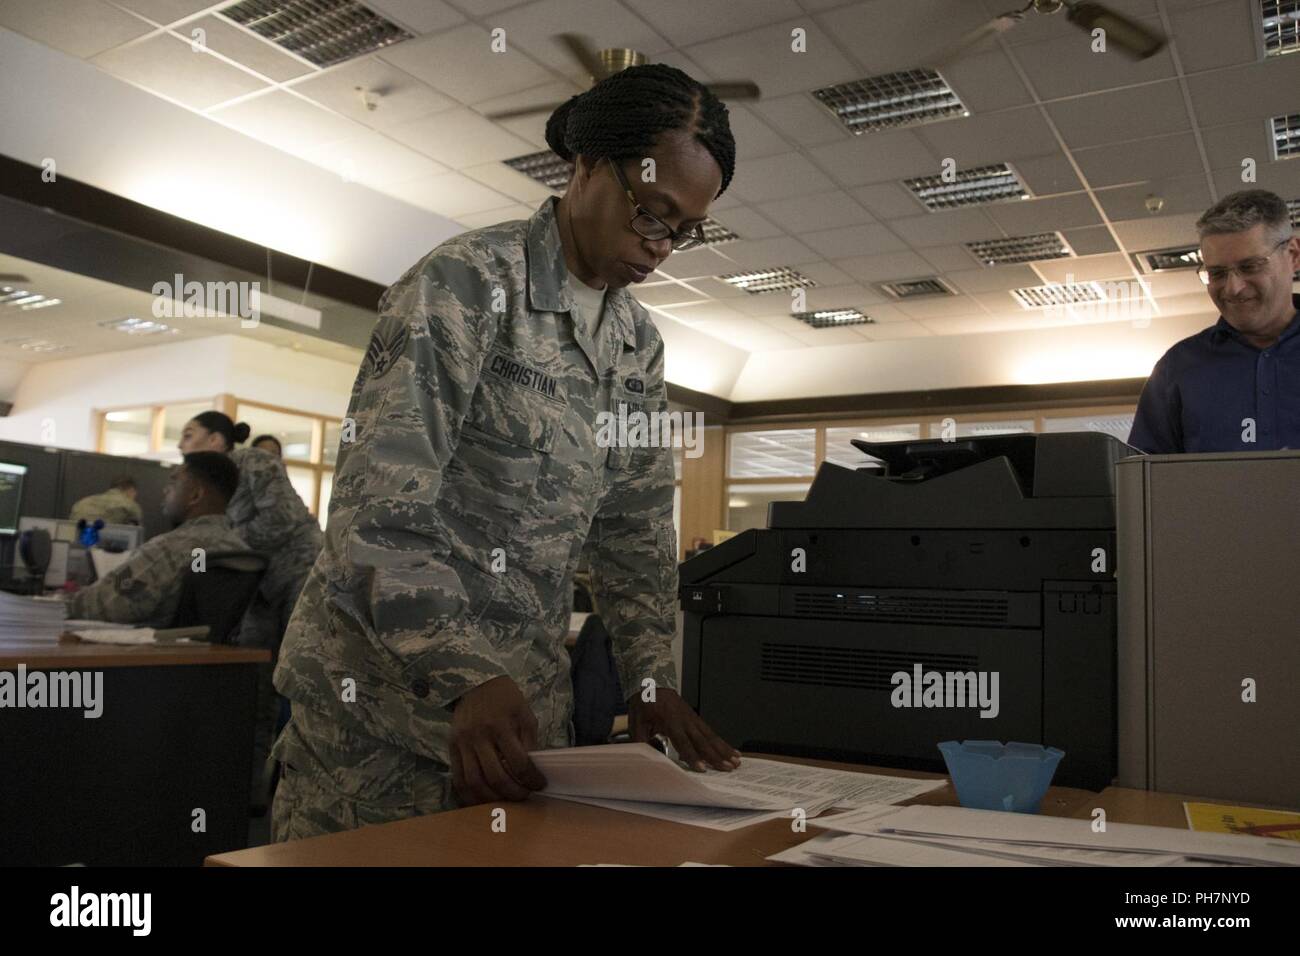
(65, 394)
(1062, 354)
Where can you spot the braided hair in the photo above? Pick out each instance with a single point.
(622, 116)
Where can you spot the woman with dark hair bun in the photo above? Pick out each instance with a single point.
(426, 656)
(269, 443)
(268, 514)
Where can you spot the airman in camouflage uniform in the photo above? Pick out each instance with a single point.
(459, 514)
(115, 506)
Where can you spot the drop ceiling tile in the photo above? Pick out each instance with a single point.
(980, 324)
(532, 28)
(888, 331)
(697, 262)
(705, 312)
(886, 36)
(992, 138)
(372, 160)
(763, 253)
(477, 220)
(508, 182)
(987, 82)
(244, 47)
(165, 11)
(764, 55)
(801, 119)
(946, 259)
(764, 305)
(754, 138)
(1036, 28)
(1157, 232)
(1067, 66)
(1121, 115)
(482, 8)
(1254, 91)
(1181, 194)
(810, 337)
(1138, 161)
(825, 274)
(1214, 35)
(819, 211)
(993, 278)
(1184, 282)
(747, 223)
(665, 293)
(684, 22)
(777, 177)
(1092, 240)
(940, 305)
(419, 16)
(450, 194)
(716, 288)
(400, 97)
(170, 67)
(1280, 176)
(749, 334)
(459, 137)
(880, 268)
(1084, 269)
(877, 157)
(1047, 175)
(1045, 215)
(849, 296)
(1228, 145)
(887, 200)
(287, 122)
(460, 63)
(864, 240)
(951, 225)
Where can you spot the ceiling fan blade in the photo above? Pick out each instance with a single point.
(1129, 36)
(581, 49)
(14, 277)
(525, 111)
(976, 38)
(739, 90)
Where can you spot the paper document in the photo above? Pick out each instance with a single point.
(712, 818)
(24, 618)
(1250, 821)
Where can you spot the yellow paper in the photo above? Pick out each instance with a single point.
(1217, 818)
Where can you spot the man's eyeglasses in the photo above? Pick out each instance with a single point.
(649, 226)
(1213, 275)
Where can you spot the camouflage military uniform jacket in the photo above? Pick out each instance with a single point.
(147, 588)
(269, 515)
(475, 479)
(114, 506)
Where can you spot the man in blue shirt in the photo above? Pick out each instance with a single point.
(1236, 385)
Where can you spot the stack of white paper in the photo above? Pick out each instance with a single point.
(956, 836)
(636, 778)
(24, 619)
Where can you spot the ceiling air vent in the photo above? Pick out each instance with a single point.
(1050, 296)
(892, 100)
(1286, 135)
(1001, 252)
(768, 280)
(323, 32)
(1170, 260)
(1280, 20)
(969, 187)
(917, 288)
(830, 318)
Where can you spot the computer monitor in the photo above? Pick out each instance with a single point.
(11, 495)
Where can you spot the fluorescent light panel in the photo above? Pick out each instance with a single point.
(1001, 252)
(892, 101)
(1286, 135)
(969, 187)
(1056, 295)
(133, 326)
(546, 167)
(768, 280)
(830, 318)
(1280, 22)
(323, 32)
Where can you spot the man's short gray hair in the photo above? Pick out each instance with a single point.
(1244, 210)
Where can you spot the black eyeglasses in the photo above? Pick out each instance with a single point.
(1246, 268)
(649, 226)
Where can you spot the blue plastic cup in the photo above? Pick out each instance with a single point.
(989, 775)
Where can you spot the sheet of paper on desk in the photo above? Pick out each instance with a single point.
(850, 789)
(957, 826)
(711, 818)
(24, 618)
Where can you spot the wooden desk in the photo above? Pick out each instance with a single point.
(175, 734)
(547, 832)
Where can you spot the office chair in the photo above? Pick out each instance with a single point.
(219, 596)
(597, 692)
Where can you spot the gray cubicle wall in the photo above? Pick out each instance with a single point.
(56, 478)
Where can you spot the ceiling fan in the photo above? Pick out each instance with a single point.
(602, 63)
(1127, 35)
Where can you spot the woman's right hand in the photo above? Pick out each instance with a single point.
(492, 731)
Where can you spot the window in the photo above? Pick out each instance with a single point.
(127, 432)
(772, 454)
(1117, 426)
(326, 489)
(959, 428)
(174, 419)
(293, 431)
